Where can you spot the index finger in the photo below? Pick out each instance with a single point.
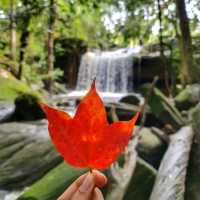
(99, 179)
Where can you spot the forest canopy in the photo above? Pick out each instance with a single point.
(30, 28)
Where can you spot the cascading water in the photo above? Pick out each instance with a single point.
(113, 71)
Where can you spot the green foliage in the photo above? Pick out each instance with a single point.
(133, 22)
(74, 19)
(10, 87)
(82, 21)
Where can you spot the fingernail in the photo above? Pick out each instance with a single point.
(87, 184)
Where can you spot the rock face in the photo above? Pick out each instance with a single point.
(193, 175)
(146, 67)
(25, 153)
(68, 53)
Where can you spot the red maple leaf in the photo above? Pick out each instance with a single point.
(87, 139)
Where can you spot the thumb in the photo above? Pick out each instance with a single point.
(85, 191)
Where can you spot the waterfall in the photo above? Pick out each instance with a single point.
(113, 70)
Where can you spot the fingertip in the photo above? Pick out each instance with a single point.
(98, 194)
(100, 178)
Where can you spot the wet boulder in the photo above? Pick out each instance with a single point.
(6, 110)
(26, 153)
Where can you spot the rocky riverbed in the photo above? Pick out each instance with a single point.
(31, 168)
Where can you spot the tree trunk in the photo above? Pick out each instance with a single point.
(189, 72)
(23, 43)
(12, 31)
(161, 42)
(24, 38)
(50, 44)
(160, 28)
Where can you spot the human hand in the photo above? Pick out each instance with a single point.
(86, 187)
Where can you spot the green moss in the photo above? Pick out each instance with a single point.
(182, 96)
(10, 87)
(142, 182)
(183, 100)
(162, 107)
(52, 184)
(26, 101)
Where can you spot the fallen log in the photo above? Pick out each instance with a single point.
(170, 181)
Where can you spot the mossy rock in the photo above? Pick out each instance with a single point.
(182, 100)
(10, 87)
(142, 182)
(162, 108)
(27, 107)
(26, 101)
(188, 97)
(131, 99)
(52, 184)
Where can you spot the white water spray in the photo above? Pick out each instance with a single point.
(113, 70)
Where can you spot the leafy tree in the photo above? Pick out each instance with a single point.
(26, 11)
(190, 72)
